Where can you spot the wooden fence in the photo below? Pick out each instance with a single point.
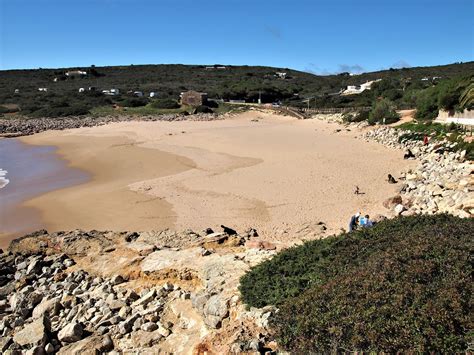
(335, 110)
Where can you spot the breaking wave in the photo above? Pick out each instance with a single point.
(3, 180)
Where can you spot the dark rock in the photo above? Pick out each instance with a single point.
(208, 231)
(107, 344)
(228, 231)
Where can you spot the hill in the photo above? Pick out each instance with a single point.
(220, 82)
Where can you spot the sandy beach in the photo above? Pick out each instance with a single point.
(273, 173)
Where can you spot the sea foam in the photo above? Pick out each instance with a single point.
(3, 180)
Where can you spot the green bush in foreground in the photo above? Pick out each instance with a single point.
(403, 285)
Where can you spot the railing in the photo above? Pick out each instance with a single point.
(335, 110)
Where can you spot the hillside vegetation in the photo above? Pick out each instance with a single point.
(234, 82)
(403, 285)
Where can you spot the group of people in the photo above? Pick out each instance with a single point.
(357, 221)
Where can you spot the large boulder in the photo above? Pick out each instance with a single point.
(143, 339)
(260, 244)
(398, 209)
(391, 202)
(91, 345)
(51, 307)
(71, 333)
(35, 333)
(215, 310)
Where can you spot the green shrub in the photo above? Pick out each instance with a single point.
(383, 112)
(134, 102)
(404, 285)
(63, 111)
(446, 95)
(203, 109)
(165, 104)
(4, 109)
(356, 117)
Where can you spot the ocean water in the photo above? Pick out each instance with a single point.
(28, 171)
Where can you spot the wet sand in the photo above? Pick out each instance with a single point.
(275, 174)
(32, 171)
(106, 202)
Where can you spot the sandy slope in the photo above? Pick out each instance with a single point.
(275, 174)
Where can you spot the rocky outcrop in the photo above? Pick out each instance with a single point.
(96, 292)
(443, 181)
(14, 127)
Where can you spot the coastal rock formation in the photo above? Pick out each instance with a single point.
(69, 292)
(443, 181)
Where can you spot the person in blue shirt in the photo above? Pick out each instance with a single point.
(368, 223)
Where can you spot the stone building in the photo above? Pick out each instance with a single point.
(193, 98)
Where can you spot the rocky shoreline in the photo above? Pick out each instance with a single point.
(149, 292)
(443, 181)
(23, 126)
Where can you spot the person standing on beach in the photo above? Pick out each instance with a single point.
(354, 222)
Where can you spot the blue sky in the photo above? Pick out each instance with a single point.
(321, 36)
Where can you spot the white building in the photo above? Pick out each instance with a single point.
(17, 91)
(82, 89)
(280, 75)
(219, 67)
(76, 73)
(43, 89)
(111, 92)
(357, 89)
(153, 94)
(138, 93)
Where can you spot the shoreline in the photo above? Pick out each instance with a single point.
(32, 171)
(113, 163)
(279, 175)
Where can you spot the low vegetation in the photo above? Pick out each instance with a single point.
(452, 132)
(450, 95)
(358, 116)
(165, 104)
(404, 285)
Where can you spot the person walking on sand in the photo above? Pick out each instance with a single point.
(425, 140)
(354, 222)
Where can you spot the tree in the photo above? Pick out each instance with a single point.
(383, 112)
